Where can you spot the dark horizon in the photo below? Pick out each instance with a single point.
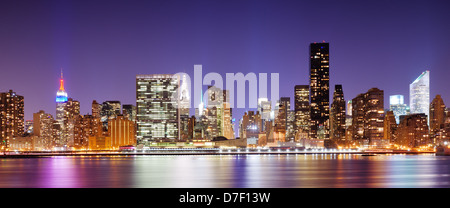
(102, 45)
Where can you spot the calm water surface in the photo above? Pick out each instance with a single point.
(230, 171)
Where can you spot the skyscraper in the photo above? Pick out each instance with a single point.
(319, 90)
(419, 95)
(368, 118)
(337, 116)
(157, 109)
(437, 114)
(61, 98)
(397, 106)
(302, 111)
(11, 117)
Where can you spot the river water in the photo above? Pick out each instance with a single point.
(228, 171)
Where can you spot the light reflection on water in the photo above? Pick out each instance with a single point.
(228, 171)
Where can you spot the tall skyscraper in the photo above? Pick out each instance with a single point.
(337, 116)
(397, 106)
(319, 90)
(437, 114)
(157, 109)
(302, 122)
(43, 128)
(11, 117)
(368, 118)
(413, 131)
(61, 99)
(419, 95)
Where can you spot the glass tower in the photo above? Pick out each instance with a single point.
(419, 94)
(157, 107)
(319, 89)
(397, 105)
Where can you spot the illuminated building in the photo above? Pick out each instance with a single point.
(109, 110)
(28, 127)
(61, 99)
(390, 127)
(85, 127)
(368, 118)
(71, 111)
(96, 109)
(11, 117)
(43, 129)
(419, 94)
(250, 125)
(157, 110)
(129, 111)
(337, 116)
(413, 131)
(437, 114)
(397, 106)
(302, 111)
(121, 132)
(319, 90)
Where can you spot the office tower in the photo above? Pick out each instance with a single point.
(397, 106)
(419, 94)
(96, 109)
(437, 114)
(302, 122)
(367, 118)
(413, 131)
(121, 131)
(110, 110)
(42, 128)
(71, 109)
(61, 99)
(11, 117)
(250, 125)
(214, 112)
(129, 111)
(319, 90)
(157, 109)
(390, 127)
(290, 125)
(264, 108)
(228, 130)
(337, 116)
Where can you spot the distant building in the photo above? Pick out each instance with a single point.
(121, 130)
(390, 128)
(43, 130)
(337, 116)
(368, 118)
(397, 106)
(413, 131)
(11, 117)
(302, 122)
(157, 109)
(319, 90)
(419, 94)
(437, 114)
(129, 111)
(110, 110)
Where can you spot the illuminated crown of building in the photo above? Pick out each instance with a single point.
(61, 95)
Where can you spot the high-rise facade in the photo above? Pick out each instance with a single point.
(368, 119)
(157, 107)
(397, 106)
(302, 122)
(11, 117)
(319, 90)
(42, 128)
(337, 116)
(413, 131)
(419, 95)
(437, 114)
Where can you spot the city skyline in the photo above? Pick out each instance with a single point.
(101, 75)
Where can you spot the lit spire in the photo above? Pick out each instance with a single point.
(61, 86)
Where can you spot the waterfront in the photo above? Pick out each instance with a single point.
(228, 171)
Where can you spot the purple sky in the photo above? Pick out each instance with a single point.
(102, 45)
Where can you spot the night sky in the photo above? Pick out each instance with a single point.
(102, 45)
